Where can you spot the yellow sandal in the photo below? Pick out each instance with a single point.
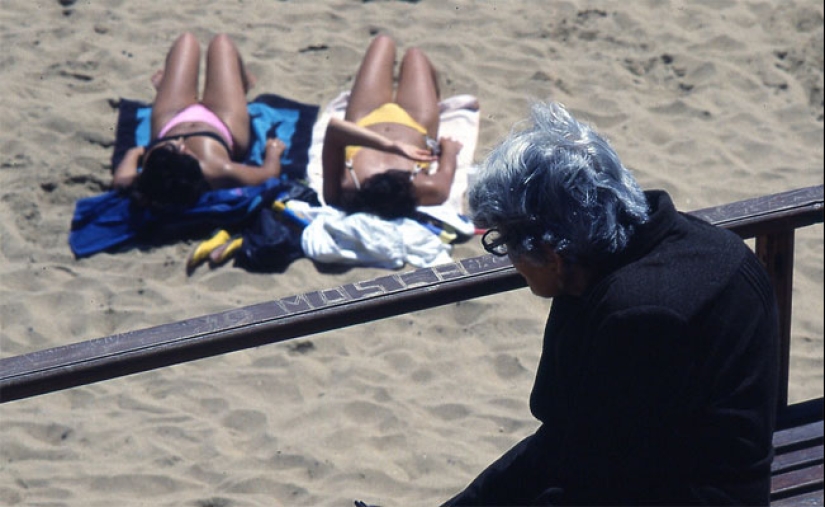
(224, 252)
(204, 248)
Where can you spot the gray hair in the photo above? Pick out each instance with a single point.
(558, 183)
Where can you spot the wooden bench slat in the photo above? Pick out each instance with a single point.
(799, 458)
(812, 499)
(807, 435)
(797, 482)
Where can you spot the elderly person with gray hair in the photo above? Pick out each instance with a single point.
(658, 375)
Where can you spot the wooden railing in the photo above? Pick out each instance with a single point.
(772, 220)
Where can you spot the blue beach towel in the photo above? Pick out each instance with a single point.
(108, 220)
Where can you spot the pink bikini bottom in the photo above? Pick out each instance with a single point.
(198, 113)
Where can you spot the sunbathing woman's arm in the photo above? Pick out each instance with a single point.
(435, 189)
(332, 159)
(347, 133)
(126, 171)
(242, 175)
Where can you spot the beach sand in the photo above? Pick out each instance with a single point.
(712, 100)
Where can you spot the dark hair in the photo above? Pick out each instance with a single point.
(169, 179)
(389, 195)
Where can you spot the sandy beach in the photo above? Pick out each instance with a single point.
(713, 100)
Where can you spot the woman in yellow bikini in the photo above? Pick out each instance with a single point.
(377, 159)
(196, 144)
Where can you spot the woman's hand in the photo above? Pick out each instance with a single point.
(126, 172)
(450, 146)
(272, 158)
(413, 152)
(274, 148)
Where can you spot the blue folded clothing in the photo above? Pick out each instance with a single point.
(109, 220)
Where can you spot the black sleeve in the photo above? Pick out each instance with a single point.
(519, 477)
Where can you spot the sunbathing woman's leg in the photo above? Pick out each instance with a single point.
(178, 85)
(418, 90)
(373, 84)
(225, 89)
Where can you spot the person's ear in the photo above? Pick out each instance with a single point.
(552, 258)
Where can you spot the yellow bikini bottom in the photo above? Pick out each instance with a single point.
(387, 113)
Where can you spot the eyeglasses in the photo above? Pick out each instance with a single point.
(501, 244)
(495, 242)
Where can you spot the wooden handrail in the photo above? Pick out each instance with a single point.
(773, 221)
(769, 219)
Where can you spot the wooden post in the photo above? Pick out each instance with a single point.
(776, 251)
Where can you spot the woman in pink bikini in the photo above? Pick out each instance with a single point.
(196, 145)
(377, 158)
